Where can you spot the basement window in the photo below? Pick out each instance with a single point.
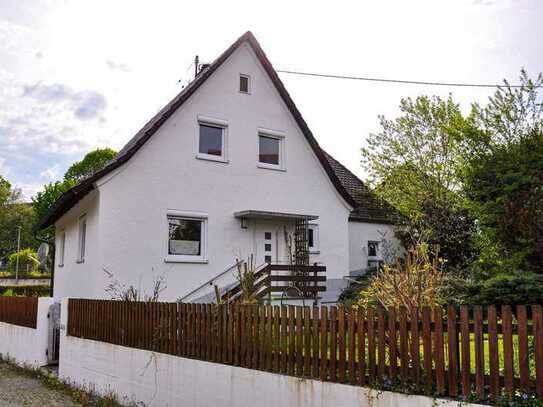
(244, 83)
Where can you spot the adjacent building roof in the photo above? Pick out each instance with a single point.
(368, 208)
(334, 171)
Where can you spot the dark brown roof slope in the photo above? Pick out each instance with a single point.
(71, 197)
(369, 208)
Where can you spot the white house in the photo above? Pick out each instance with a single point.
(222, 171)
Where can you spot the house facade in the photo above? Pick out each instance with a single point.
(225, 170)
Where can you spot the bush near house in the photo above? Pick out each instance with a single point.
(28, 262)
(26, 290)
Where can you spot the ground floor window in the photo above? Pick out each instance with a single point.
(186, 238)
(313, 238)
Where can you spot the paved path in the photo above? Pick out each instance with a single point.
(18, 389)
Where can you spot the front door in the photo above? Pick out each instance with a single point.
(268, 243)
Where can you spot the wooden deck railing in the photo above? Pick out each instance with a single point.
(478, 352)
(275, 279)
(22, 311)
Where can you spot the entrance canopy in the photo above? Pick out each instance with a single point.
(255, 214)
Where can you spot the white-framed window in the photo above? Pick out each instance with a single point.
(271, 150)
(212, 139)
(244, 83)
(61, 248)
(82, 239)
(313, 238)
(373, 249)
(187, 236)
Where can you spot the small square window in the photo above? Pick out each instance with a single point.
(269, 150)
(268, 247)
(211, 140)
(267, 259)
(373, 249)
(267, 235)
(244, 83)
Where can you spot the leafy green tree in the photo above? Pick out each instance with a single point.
(414, 157)
(503, 177)
(413, 164)
(43, 200)
(14, 214)
(91, 163)
(28, 262)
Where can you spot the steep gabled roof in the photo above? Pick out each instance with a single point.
(368, 208)
(71, 197)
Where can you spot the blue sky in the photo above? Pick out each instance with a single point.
(79, 75)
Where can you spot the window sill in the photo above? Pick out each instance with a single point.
(184, 259)
(271, 167)
(209, 157)
(314, 252)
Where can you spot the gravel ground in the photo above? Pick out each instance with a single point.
(18, 389)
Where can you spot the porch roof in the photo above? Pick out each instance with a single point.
(256, 214)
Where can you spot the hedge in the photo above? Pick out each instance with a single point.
(26, 290)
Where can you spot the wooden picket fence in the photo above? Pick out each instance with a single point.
(479, 352)
(22, 311)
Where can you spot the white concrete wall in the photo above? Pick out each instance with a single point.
(359, 235)
(27, 346)
(165, 174)
(73, 278)
(156, 379)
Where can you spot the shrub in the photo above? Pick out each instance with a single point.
(28, 262)
(417, 281)
(26, 291)
(505, 288)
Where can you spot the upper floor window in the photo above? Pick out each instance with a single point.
(81, 247)
(212, 140)
(244, 83)
(270, 151)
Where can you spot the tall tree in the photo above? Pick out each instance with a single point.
(14, 214)
(91, 163)
(503, 176)
(413, 164)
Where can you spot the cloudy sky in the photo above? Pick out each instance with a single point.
(76, 75)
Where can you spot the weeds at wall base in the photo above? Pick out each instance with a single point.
(86, 396)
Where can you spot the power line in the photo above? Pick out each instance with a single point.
(362, 78)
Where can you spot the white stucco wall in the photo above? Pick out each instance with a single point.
(27, 346)
(73, 278)
(359, 235)
(165, 174)
(156, 379)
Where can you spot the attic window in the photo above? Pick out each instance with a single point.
(244, 83)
